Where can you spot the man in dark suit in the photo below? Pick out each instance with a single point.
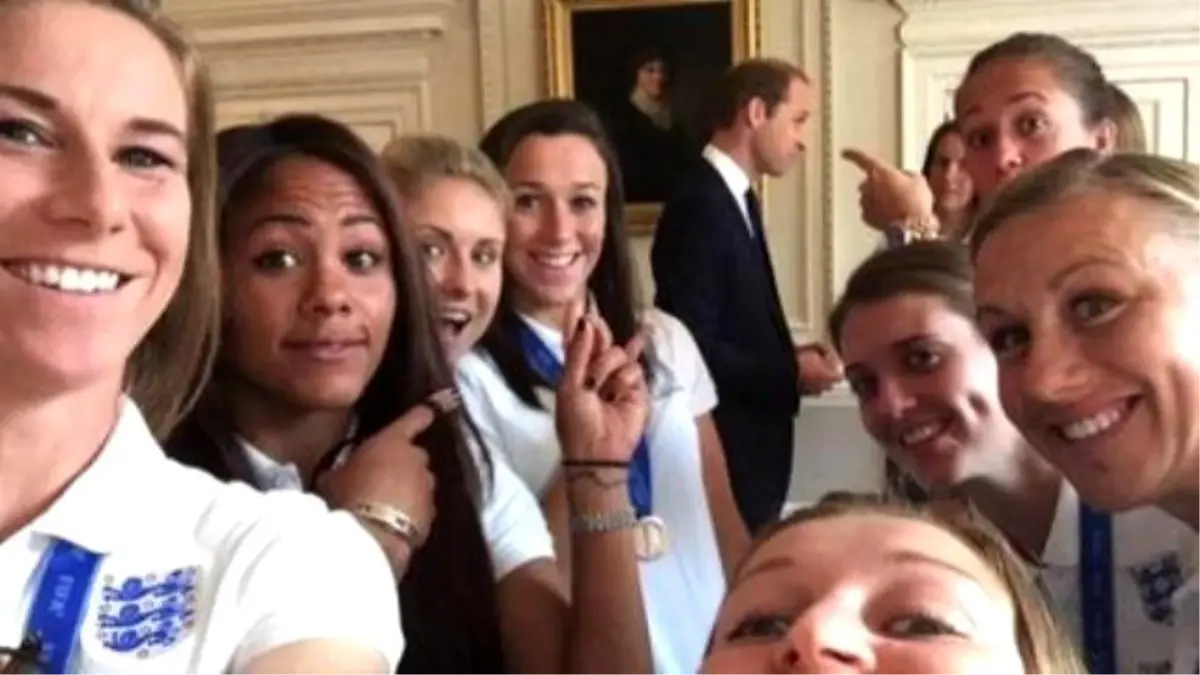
(712, 270)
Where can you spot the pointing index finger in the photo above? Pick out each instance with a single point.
(864, 160)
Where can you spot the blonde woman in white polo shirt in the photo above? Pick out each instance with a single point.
(566, 249)
(113, 558)
(1088, 292)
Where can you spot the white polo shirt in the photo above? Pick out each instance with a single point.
(200, 576)
(513, 524)
(681, 590)
(1154, 585)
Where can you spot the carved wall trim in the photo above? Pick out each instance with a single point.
(236, 22)
(953, 25)
(493, 67)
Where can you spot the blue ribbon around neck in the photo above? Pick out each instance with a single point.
(1096, 590)
(548, 367)
(60, 603)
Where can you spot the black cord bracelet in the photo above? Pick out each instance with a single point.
(594, 464)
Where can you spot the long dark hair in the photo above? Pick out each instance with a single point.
(611, 283)
(448, 593)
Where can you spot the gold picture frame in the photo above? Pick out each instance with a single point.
(559, 17)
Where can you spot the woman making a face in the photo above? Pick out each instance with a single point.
(566, 255)
(853, 585)
(329, 374)
(926, 383)
(113, 559)
(1023, 101)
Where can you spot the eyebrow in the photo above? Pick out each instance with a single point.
(48, 105)
(1015, 98)
(293, 220)
(898, 556)
(1057, 280)
(901, 344)
(541, 186)
(443, 233)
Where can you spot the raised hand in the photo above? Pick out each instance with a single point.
(602, 402)
(820, 368)
(889, 197)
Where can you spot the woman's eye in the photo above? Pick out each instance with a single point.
(759, 627)
(1092, 307)
(977, 140)
(1031, 125)
(275, 261)
(144, 158)
(583, 204)
(486, 257)
(20, 132)
(923, 360)
(363, 260)
(1007, 342)
(431, 251)
(919, 625)
(524, 202)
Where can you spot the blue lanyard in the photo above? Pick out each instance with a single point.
(549, 368)
(1096, 590)
(60, 602)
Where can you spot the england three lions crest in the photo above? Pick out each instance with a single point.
(146, 615)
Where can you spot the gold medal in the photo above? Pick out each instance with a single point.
(650, 538)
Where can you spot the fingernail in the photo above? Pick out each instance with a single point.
(589, 382)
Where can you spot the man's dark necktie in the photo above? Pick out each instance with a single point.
(755, 213)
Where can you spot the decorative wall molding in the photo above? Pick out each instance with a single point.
(955, 25)
(219, 22)
(493, 66)
(367, 63)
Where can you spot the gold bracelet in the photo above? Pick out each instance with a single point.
(392, 519)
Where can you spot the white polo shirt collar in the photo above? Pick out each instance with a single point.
(91, 513)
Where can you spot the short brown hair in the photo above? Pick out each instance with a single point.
(765, 79)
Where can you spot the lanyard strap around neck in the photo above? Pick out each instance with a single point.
(60, 603)
(543, 361)
(1096, 590)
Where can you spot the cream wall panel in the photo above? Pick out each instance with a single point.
(384, 67)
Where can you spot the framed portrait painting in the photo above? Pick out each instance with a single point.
(646, 67)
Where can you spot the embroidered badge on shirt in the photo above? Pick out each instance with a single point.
(148, 614)
(1157, 580)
